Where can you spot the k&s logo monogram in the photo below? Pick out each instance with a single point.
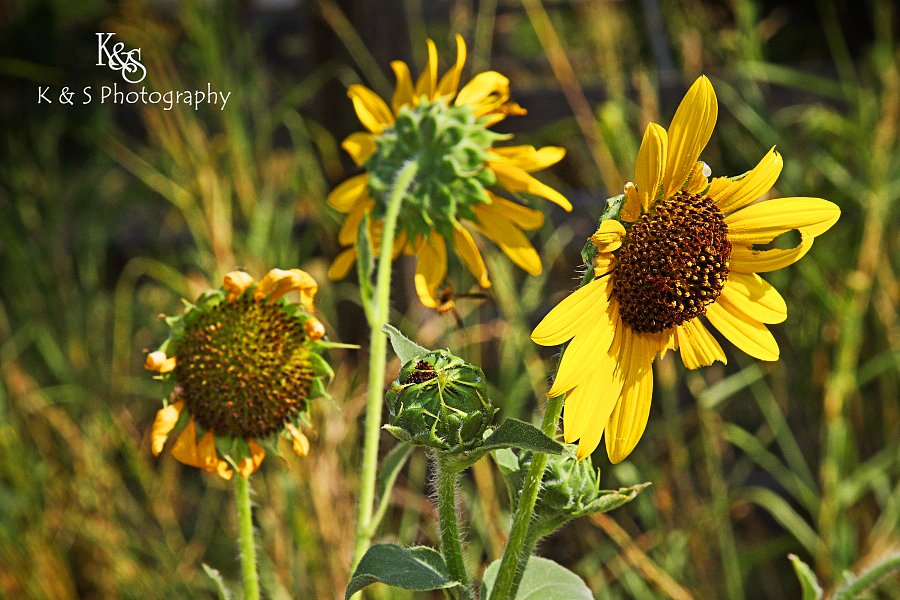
(118, 59)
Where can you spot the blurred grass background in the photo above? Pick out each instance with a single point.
(109, 214)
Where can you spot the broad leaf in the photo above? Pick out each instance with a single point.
(543, 580)
(811, 588)
(513, 433)
(405, 349)
(419, 568)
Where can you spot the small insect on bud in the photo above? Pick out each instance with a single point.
(439, 401)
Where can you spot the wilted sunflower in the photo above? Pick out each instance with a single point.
(682, 248)
(446, 133)
(243, 363)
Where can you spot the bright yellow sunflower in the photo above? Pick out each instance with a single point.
(446, 133)
(242, 364)
(682, 248)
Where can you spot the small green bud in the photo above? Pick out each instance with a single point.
(439, 401)
(569, 485)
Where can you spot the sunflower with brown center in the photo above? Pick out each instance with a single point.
(679, 248)
(447, 134)
(243, 364)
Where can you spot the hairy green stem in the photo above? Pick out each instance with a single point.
(513, 557)
(245, 537)
(365, 524)
(450, 542)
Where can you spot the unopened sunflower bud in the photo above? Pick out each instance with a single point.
(569, 485)
(439, 401)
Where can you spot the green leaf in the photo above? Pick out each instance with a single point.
(543, 580)
(419, 568)
(404, 348)
(214, 574)
(391, 466)
(506, 460)
(855, 587)
(513, 433)
(365, 264)
(811, 588)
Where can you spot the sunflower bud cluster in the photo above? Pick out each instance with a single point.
(569, 486)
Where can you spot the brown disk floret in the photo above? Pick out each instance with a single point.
(673, 263)
(243, 368)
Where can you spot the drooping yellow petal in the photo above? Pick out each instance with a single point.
(629, 417)
(522, 216)
(404, 93)
(493, 223)
(450, 81)
(530, 159)
(697, 346)
(350, 227)
(689, 133)
(588, 406)
(748, 335)
(604, 262)
(314, 329)
(471, 257)
(591, 342)
(342, 264)
(301, 442)
(516, 180)
(427, 83)
(373, 112)
(651, 165)
(235, 282)
(360, 146)
(431, 268)
(761, 223)
(206, 453)
(347, 195)
(608, 236)
(631, 209)
(746, 260)
(250, 464)
(185, 448)
(166, 419)
(279, 282)
(733, 195)
(755, 297)
(484, 93)
(588, 302)
(157, 361)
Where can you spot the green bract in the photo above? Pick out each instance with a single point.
(450, 144)
(439, 401)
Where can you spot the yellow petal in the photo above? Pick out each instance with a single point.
(516, 180)
(748, 335)
(746, 260)
(631, 210)
(493, 223)
(404, 93)
(530, 159)
(608, 236)
(697, 181)
(185, 448)
(733, 195)
(342, 264)
(589, 302)
(301, 442)
(373, 112)
(522, 216)
(278, 282)
(755, 297)
(235, 282)
(651, 165)
(589, 405)
(471, 257)
(157, 361)
(697, 345)
(450, 81)
(427, 82)
(689, 133)
(350, 227)
(484, 93)
(629, 418)
(360, 146)
(591, 342)
(431, 268)
(314, 329)
(761, 223)
(499, 112)
(250, 464)
(166, 419)
(604, 262)
(345, 196)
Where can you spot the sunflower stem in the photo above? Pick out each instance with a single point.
(450, 542)
(366, 524)
(513, 557)
(245, 537)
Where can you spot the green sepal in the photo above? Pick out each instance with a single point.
(808, 581)
(613, 208)
(221, 588)
(419, 568)
(405, 349)
(543, 579)
(270, 443)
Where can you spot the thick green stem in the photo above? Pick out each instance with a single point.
(513, 557)
(450, 543)
(245, 537)
(365, 524)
